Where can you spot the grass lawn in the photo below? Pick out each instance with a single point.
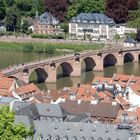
(40, 47)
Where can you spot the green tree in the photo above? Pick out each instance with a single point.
(13, 19)
(24, 5)
(134, 23)
(90, 6)
(77, 6)
(9, 130)
(24, 26)
(117, 37)
(132, 35)
(9, 2)
(2, 9)
(72, 11)
(28, 48)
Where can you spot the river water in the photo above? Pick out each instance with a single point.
(8, 58)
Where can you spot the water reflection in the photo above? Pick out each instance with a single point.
(8, 58)
(87, 77)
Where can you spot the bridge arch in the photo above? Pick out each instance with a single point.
(139, 57)
(41, 74)
(66, 70)
(89, 63)
(128, 57)
(109, 60)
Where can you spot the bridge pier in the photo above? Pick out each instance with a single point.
(51, 75)
(76, 68)
(25, 78)
(120, 60)
(99, 64)
(136, 57)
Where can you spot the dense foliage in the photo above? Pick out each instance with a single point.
(138, 35)
(14, 11)
(8, 129)
(119, 9)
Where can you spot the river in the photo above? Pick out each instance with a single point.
(8, 58)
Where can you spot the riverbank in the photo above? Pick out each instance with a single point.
(48, 47)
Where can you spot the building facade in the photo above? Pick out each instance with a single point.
(91, 26)
(95, 26)
(52, 123)
(45, 24)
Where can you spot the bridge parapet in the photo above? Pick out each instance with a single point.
(98, 56)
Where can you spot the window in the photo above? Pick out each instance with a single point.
(65, 138)
(57, 138)
(48, 137)
(83, 138)
(74, 138)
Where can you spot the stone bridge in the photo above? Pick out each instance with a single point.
(71, 65)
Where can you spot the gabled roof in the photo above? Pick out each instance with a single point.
(100, 109)
(129, 40)
(47, 18)
(27, 89)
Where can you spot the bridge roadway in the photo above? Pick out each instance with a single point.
(10, 71)
(111, 56)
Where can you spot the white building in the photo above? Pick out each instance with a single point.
(95, 26)
(134, 96)
(122, 30)
(129, 42)
(91, 26)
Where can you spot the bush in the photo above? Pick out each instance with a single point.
(28, 48)
(47, 36)
(39, 49)
(50, 50)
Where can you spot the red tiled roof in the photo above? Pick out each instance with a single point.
(121, 100)
(136, 88)
(5, 93)
(27, 89)
(6, 83)
(1, 75)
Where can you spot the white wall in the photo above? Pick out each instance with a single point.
(134, 98)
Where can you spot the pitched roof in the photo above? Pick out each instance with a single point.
(6, 83)
(129, 40)
(1, 75)
(93, 17)
(101, 109)
(41, 110)
(47, 18)
(27, 89)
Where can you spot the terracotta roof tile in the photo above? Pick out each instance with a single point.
(27, 89)
(6, 83)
